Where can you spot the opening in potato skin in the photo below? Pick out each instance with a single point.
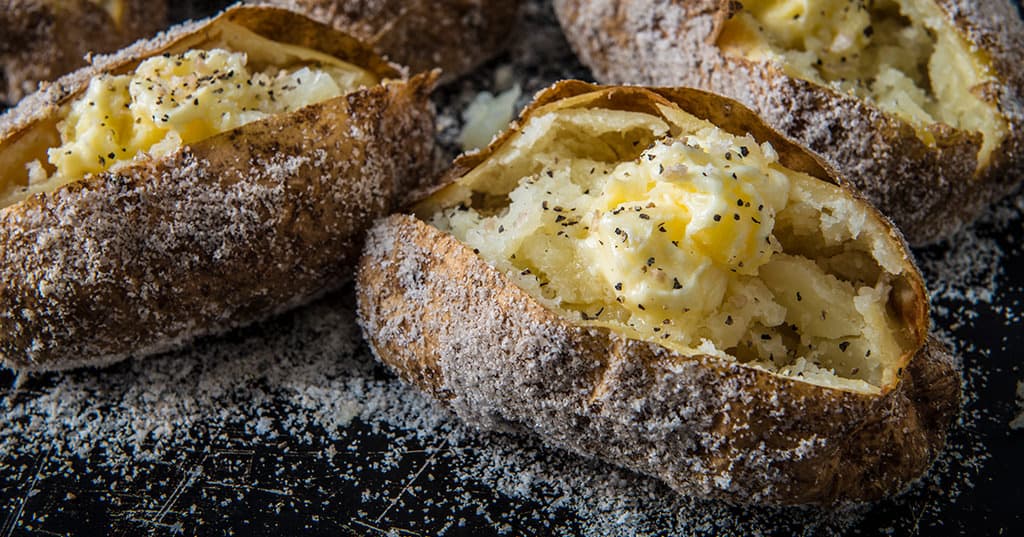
(461, 328)
(225, 230)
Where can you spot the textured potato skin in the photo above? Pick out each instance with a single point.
(44, 39)
(447, 321)
(455, 35)
(223, 232)
(928, 191)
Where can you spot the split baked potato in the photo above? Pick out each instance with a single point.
(918, 102)
(454, 35)
(44, 39)
(656, 278)
(220, 173)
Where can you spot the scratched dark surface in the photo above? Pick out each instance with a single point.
(370, 477)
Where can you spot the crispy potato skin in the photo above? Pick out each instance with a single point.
(455, 35)
(223, 232)
(44, 39)
(928, 191)
(448, 322)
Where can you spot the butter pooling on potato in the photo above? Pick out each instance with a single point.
(596, 277)
(672, 230)
(171, 100)
(902, 55)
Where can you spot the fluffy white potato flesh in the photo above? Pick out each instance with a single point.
(904, 56)
(669, 229)
(175, 99)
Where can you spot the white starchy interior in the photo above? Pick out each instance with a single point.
(668, 229)
(486, 116)
(172, 100)
(902, 55)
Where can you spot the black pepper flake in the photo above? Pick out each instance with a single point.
(501, 229)
(766, 337)
(650, 261)
(525, 272)
(799, 297)
(661, 169)
(736, 216)
(844, 345)
(744, 151)
(644, 216)
(620, 299)
(760, 207)
(618, 286)
(657, 329)
(559, 218)
(111, 155)
(592, 171)
(476, 250)
(551, 173)
(102, 161)
(544, 204)
(855, 370)
(599, 312)
(739, 202)
(676, 284)
(675, 243)
(728, 320)
(661, 228)
(899, 372)
(618, 231)
(823, 315)
(869, 31)
(728, 155)
(718, 218)
(868, 353)
(641, 306)
(755, 220)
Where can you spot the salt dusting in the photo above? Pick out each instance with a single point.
(294, 416)
(1018, 422)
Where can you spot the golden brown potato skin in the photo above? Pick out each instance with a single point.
(455, 35)
(928, 191)
(448, 322)
(44, 39)
(224, 232)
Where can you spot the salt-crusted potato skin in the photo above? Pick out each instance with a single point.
(455, 35)
(221, 233)
(928, 191)
(448, 322)
(44, 39)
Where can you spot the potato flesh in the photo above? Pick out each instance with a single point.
(172, 100)
(615, 225)
(903, 56)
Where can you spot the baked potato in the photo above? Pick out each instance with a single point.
(656, 278)
(220, 173)
(454, 35)
(917, 102)
(44, 39)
